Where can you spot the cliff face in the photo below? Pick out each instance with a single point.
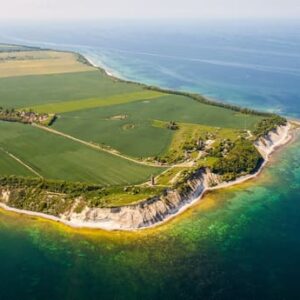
(156, 210)
(146, 213)
(267, 144)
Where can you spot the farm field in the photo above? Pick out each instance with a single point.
(67, 106)
(28, 91)
(22, 63)
(9, 166)
(138, 136)
(56, 157)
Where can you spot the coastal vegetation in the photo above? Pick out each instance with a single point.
(57, 196)
(266, 125)
(241, 158)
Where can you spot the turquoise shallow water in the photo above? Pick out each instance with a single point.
(238, 243)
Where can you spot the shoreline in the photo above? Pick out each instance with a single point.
(285, 139)
(102, 67)
(91, 222)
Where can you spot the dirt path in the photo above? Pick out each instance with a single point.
(96, 146)
(21, 162)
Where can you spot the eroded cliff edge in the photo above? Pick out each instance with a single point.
(156, 210)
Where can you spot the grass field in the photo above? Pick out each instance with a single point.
(166, 177)
(55, 157)
(9, 166)
(28, 91)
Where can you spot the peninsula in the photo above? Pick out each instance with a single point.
(85, 148)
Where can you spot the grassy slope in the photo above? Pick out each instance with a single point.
(143, 139)
(27, 91)
(59, 158)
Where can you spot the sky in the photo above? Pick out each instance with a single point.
(147, 9)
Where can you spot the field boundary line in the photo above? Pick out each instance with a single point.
(21, 162)
(54, 131)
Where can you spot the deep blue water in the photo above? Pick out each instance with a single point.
(254, 64)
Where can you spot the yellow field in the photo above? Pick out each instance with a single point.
(39, 63)
(67, 106)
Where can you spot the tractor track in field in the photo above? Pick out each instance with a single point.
(97, 147)
(21, 162)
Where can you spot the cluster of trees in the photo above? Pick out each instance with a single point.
(243, 158)
(222, 148)
(265, 125)
(172, 125)
(10, 114)
(26, 117)
(33, 193)
(55, 186)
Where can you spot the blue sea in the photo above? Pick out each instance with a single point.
(239, 243)
(255, 64)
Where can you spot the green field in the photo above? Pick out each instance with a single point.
(67, 106)
(56, 157)
(142, 139)
(9, 166)
(27, 91)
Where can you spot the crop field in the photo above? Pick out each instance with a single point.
(137, 135)
(67, 106)
(56, 157)
(22, 63)
(9, 166)
(29, 91)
